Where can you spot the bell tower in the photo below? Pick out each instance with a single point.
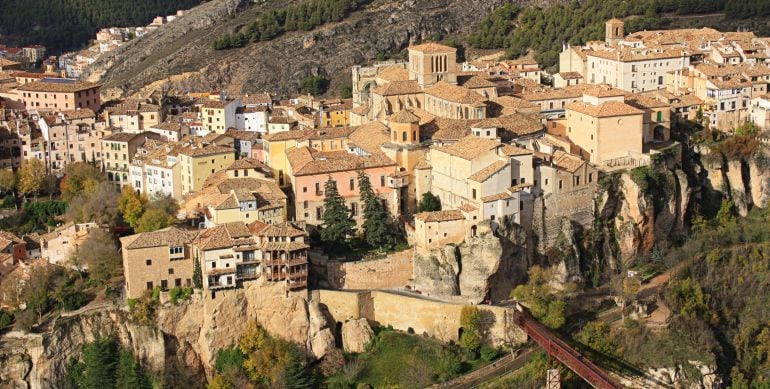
(613, 31)
(404, 128)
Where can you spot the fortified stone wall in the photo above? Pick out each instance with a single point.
(549, 210)
(393, 271)
(435, 318)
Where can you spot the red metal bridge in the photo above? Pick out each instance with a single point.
(560, 350)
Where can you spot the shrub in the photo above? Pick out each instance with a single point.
(177, 294)
(229, 358)
(488, 353)
(6, 318)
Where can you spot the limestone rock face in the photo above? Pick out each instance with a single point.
(567, 269)
(480, 258)
(737, 187)
(435, 273)
(759, 180)
(15, 368)
(635, 227)
(356, 334)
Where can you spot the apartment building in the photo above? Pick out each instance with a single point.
(68, 137)
(218, 116)
(198, 161)
(155, 170)
(161, 259)
(118, 150)
(134, 116)
(57, 94)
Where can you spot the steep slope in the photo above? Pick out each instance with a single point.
(181, 53)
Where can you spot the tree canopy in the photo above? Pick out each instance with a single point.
(337, 223)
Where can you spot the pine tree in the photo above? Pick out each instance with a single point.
(376, 224)
(337, 222)
(129, 373)
(429, 203)
(197, 275)
(295, 375)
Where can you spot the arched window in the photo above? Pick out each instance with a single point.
(403, 136)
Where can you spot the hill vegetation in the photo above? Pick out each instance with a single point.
(544, 30)
(69, 24)
(305, 17)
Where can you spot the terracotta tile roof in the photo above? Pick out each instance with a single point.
(166, 237)
(439, 216)
(487, 172)
(511, 150)
(393, 73)
(570, 75)
(687, 101)
(607, 109)
(496, 197)
(305, 161)
(370, 136)
(626, 54)
(285, 229)
(209, 149)
(395, 88)
(731, 82)
(287, 135)
(79, 114)
(603, 91)
(454, 93)
(404, 117)
(225, 236)
(467, 208)
(470, 147)
(475, 82)
(447, 129)
(515, 125)
(266, 193)
(66, 85)
(252, 136)
(7, 62)
(248, 163)
(128, 137)
(283, 246)
(432, 47)
(215, 104)
(361, 110)
(329, 133)
(567, 161)
(644, 102)
(422, 165)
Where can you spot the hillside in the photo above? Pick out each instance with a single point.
(69, 24)
(185, 46)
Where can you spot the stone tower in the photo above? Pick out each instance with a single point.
(404, 128)
(613, 32)
(431, 62)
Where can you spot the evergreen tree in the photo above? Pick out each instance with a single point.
(197, 275)
(337, 222)
(376, 224)
(99, 361)
(129, 373)
(429, 203)
(296, 375)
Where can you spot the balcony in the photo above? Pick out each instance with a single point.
(245, 276)
(219, 285)
(219, 272)
(286, 262)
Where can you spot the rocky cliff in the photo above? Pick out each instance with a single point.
(180, 55)
(181, 346)
(486, 265)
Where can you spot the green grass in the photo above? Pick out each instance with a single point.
(406, 361)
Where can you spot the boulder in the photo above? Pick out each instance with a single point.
(356, 334)
(480, 258)
(435, 273)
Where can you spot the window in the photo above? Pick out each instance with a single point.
(164, 284)
(560, 184)
(473, 194)
(178, 282)
(305, 204)
(590, 178)
(319, 213)
(318, 188)
(660, 116)
(236, 173)
(176, 250)
(352, 183)
(353, 209)
(148, 262)
(149, 285)
(304, 189)
(170, 271)
(382, 180)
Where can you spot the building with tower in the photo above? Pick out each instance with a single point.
(613, 31)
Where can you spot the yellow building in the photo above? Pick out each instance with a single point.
(218, 116)
(275, 146)
(335, 114)
(198, 162)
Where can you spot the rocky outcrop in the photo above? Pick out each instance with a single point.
(180, 56)
(566, 258)
(701, 376)
(634, 221)
(759, 178)
(480, 257)
(183, 343)
(734, 176)
(436, 272)
(356, 335)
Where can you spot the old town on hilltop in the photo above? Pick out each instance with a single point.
(467, 203)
